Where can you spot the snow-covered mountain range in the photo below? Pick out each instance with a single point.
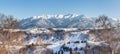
(59, 21)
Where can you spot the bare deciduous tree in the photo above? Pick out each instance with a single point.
(2, 18)
(8, 22)
(103, 21)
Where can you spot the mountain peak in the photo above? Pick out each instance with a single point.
(56, 16)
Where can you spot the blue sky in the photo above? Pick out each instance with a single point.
(92, 8)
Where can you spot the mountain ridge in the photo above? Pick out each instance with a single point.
(59, 21)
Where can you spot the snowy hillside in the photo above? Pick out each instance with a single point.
(61, 42)
(54, 41)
